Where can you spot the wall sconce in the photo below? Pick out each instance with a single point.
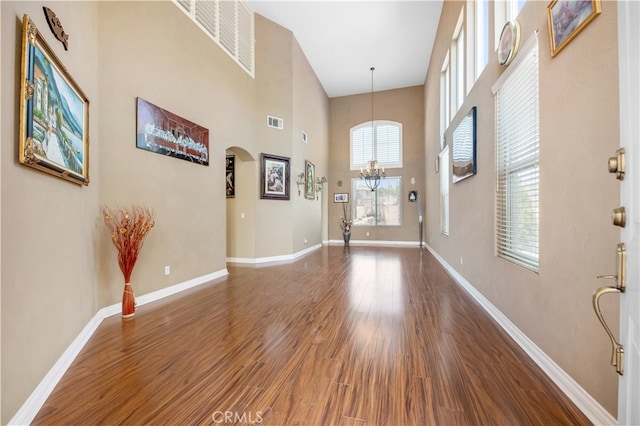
(300, 181)
(319, 182)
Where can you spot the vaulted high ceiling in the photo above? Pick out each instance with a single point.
(344, 39)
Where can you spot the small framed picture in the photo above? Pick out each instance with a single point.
(231, 176)
(341, 197)
(567, 18)
(309, 180)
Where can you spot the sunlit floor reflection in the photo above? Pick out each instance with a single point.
(375, 284)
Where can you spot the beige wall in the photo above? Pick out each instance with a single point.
(61, 266)
(578, 132)
(405, 106)
(50, 227)
(311, 115)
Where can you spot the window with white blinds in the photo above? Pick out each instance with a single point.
(517, 160)
(229, 23)
(443, 159)
(385, 147)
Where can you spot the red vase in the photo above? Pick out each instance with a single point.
(128, 302)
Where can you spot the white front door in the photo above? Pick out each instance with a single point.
(629, 57)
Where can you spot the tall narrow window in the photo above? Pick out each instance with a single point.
(481, 36)
(517, 160)
(443, 158)
(444, 99)
(457, 66)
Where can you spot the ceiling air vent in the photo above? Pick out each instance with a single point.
(275, 122)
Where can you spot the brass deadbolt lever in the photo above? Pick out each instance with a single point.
(617, 164)
(619, 216)
(617, 356)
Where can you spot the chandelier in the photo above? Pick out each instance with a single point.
(373, 174)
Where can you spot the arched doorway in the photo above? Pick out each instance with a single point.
(241, 204)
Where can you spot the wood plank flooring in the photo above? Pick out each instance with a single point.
(343, 336)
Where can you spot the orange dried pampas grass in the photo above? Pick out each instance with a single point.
(128, 228)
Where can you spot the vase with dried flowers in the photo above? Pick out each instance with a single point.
(128, 228)
(345, 225)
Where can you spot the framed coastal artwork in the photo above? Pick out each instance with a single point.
(54, 112)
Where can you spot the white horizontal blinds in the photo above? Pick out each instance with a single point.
(517, 161)
(227, 25)
(361, 146)
(386, 148)
(389, 144)
(186, 4)
(444, 190)
(245, 36)
(206, 14)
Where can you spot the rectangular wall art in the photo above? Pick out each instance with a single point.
(274, 177)
(309, 180)
(54, 112)
(464, 147)
(231, 176)
(163, 132)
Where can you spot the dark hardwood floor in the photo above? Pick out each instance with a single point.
(343, 336)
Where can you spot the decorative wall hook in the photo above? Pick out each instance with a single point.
(56, 27)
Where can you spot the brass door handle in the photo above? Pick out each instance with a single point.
(617, 356)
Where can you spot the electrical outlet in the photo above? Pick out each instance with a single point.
(367, 234)
(461, 260)
(306, 241)
(167, 270)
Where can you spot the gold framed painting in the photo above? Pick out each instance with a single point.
(54, 112)
(567, 18)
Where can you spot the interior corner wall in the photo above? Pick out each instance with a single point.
(49, 226)
(405, 106)
(579, 129)
(311, 115)
(274, 65)
(288, 88)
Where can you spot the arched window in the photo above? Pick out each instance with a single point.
(385, 147)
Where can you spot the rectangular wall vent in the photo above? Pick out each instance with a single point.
(304, 137)
(275, 122)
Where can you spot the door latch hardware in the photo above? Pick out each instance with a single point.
(617, 355)
(617, 164)
(621, 277)
(619, 217)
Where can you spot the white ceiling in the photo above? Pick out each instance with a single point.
(344, 39)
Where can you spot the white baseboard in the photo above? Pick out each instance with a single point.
(38, 397)
(375, 243)
(271, 259)
(585, 402)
